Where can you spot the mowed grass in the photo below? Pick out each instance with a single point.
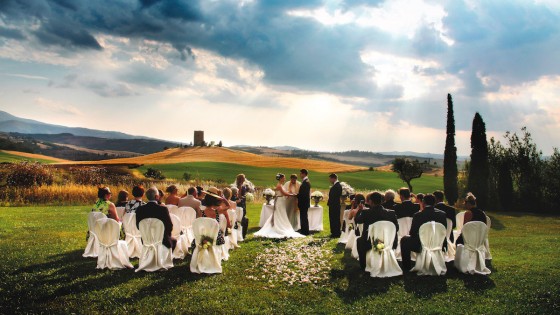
(42, 271)
(265, 177)
(13, 158)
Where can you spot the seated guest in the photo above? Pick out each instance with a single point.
(473, 213)
(216, 205)
(449, 211)
(418, 200)
(104, 205)
(227, 193)
(367, 217)
(122, 198)
(359, 199)
(389, 200)
(132, 205)
(411, 242)
(234, 193)
(154, 210)
(172, 198)
(191, 201)
(160, 197)
(406, 208)
(200, 193)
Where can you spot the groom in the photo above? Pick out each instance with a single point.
(334, 205)
(304, 201)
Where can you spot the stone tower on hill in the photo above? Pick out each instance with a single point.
(198, 138)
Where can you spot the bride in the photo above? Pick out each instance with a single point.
(278, 225)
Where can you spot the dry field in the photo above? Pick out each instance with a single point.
(35, 156)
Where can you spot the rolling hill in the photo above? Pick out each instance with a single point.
(224, 155)
(15, 156)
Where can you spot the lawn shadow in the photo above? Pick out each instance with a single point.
(496, 224)
(360, 283)
(425, 287)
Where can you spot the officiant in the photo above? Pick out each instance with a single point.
(291, 205)
(335, 193)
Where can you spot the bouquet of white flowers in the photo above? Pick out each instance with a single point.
(249, 187)
(317, 196)
(268, 194)
(347, 190)
(249, 197)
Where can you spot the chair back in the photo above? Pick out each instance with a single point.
(239, 214)
(431, 260)
(404, 226)
(383, 230)
(232, 216)
(92, 246)
(113, 254)
(459, 219)
(188, 215)
(205, 227)
(449, 228)
(474, 234)
(152, 231)
(154, 256)
(92, 219)
(432, 235)
(471, 256)
(120, 212)
(173, 209)
(132, 235)
(382, 262)
(176, 231)
(108, 232)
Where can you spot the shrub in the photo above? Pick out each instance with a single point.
(154, 173)
(27, 175)
(88, 175)
(187, 176)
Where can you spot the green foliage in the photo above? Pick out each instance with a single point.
(187, 176)
(450, 172)
(154, 173)
(43, 272)
(27, 175)
(407, 170)
(479, 169)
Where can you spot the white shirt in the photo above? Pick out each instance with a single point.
(305, 178)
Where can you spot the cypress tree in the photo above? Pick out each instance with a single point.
(479, 168)
(450, 171)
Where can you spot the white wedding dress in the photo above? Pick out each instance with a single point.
(278, 225)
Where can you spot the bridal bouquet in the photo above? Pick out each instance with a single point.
(317, 196)
(206, 242)
(378, 246)
(268, 194)
(249, 197)
(249, 187)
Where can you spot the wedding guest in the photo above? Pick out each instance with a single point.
(389, 200)
(227, 193)
(132, 205)
(122, 198)
(406, 208)
(173, 197)
(153, 209)
(200, 194)
(473, 213)
(234, 193)
(411, 243)
(449, 211)
(191, 201)
(243, 188)
(216, 205)
(292, 187)
(160, 197)
(418, 200)
(104, 204)
(367, 217)
(359, 199)
(304, 201)
(335, 193)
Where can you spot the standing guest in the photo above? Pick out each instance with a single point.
(473, 213)
(367, 217)
(304, 201)
(450, 212)
(335, 193)
(173, 197)
(104, 204)
(191, 200)
(122, 198)
(132, 205)
(419, 201)
(154, 210)
(389, 200)
(406, 208)
(411, 243)
(244, 187)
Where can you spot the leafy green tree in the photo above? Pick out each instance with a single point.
(407, 170)
(450, 171)
(479, 166)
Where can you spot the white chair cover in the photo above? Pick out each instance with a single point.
(113, 254)
(172, 209)
(206, 260)
(155, 255)
(120, 212)
(224, 248)
(360, 228)
(232, 238)
(404, 229)
(431, 260)
(351, 234)
(187, 216)
(239, 213)
(450, 254)
(487, 253)
(344, 235)
(133, 238)
(459, 219)
(471, 256)
(384, 264)
(92, 247)
(182, 247)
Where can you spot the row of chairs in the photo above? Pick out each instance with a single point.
(145, 242)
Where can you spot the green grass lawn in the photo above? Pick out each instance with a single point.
(42, 271)
(12, 158)
(264, 177)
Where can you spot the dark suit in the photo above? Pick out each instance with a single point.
(412, 242)
(368, 217)
(391, 204)
(334, 209)
(449, 213)
(406, 209)
(304, 202)
(153, 210)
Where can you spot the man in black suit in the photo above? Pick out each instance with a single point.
(411, 242)
(304, 201)
(367, 217)
(153, 210)
(406, 208)
(449, 211)
(389, 200)
(335, 193)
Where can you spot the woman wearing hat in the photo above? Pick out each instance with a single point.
(104, 205)
(216, 205)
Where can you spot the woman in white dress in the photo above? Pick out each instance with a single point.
(278, 225)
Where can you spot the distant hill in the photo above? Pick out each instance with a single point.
(10, 123)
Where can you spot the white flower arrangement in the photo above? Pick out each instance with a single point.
(317, 194)
(249, 197)
(268, 193)
(347, 190)
(249, 187)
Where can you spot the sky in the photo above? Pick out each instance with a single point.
(320, 75)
